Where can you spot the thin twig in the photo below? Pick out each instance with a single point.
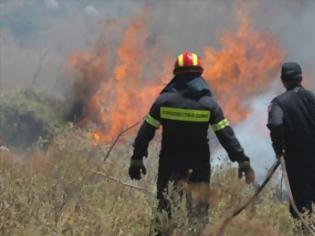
(4, 209)
(39, 67)
(123, 183)
(118, 137)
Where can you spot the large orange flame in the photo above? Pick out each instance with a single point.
(245, 66)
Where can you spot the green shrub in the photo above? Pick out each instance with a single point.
(25, 116)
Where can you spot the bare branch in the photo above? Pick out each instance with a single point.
(123, 183)
(118, 137)
(39, 68)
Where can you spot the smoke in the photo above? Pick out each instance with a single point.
(254, 135)
(52, 4)
(91, 10)
(28, 29)
(31, 29)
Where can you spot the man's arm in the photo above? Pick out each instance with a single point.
(144, 136)
(228, 140)
(226, 136)
(276, 127)
(147, 131)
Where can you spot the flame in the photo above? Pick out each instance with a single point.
(96, 136)
(244, 67)
(126, 95)
(90, 69)
(117, 97)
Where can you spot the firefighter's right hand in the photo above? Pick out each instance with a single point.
(246, 169)
(136, 169)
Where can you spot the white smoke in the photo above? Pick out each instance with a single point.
(52, 4)
(254, 135)
(91, 10)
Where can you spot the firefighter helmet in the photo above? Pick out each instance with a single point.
(291, 71)
(188, 62)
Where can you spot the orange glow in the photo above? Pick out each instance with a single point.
(244, 67)
(126, 95)
(119, 96)
(96, 136)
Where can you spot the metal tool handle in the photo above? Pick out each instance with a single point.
(238, 210)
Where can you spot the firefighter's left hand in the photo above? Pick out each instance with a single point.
(244, 168)
(136, 169)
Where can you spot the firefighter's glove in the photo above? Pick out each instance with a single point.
(136, 169)
(244, 168)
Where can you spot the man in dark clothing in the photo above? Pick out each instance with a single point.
(185, 109)
(292, 127)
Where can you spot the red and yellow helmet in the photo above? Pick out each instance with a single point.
(188, 62)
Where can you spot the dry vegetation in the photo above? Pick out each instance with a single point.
(58, 192)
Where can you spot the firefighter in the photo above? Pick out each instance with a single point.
(185, 108)
(292, 128)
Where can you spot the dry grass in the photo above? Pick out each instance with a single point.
(57, 192)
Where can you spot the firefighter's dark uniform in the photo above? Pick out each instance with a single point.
(185, 109)
(292, 125)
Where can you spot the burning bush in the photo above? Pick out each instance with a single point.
(90, 69)
(116, 96)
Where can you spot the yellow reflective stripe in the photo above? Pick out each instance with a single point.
(194, 59)
(180, 60)
(221, 125)
(150, 120)
(179, 114)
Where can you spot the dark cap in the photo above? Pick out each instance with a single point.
(291, 71)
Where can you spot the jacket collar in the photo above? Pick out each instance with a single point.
(294, 86)
(192, 86)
